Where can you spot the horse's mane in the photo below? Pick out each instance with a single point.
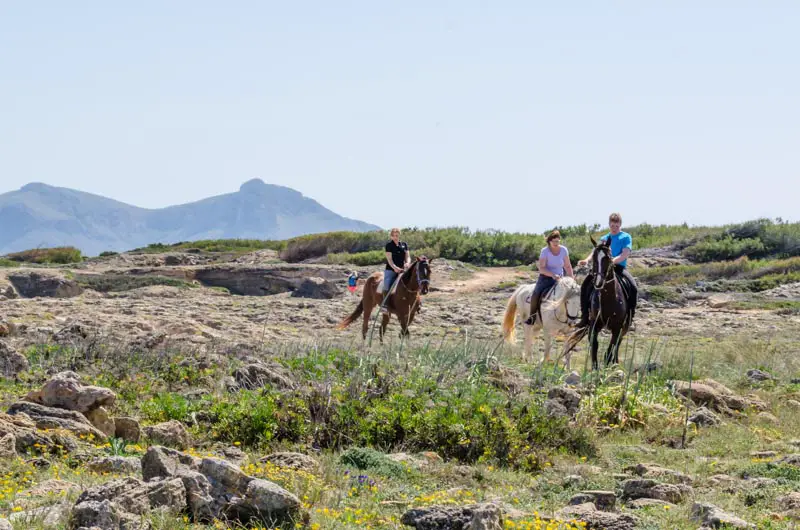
(406, 275)
(570, 286)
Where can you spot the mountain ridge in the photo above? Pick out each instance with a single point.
(41, 215)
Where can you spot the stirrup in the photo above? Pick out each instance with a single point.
(531, 320)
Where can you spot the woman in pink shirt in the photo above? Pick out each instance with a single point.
(553, 264)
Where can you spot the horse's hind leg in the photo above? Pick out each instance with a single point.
(384, 323)
(572, 340)
(528, 346)
(548, 342)
(368, 306)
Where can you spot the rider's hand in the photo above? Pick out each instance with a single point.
(557, 277)
(582, 263)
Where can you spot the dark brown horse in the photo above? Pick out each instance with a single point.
(403, 302)
(610, 313)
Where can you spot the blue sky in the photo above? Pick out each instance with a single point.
(511, 115)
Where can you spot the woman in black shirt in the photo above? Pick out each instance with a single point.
(397, 260)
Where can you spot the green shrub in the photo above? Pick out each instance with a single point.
(741, 274)
(724, 249)
(661, 294)
(772, 470)
(255, 418)
(361, 259)
(108, 253)
(213, 245)
(166, 406)
(366, 459)
(43, 256)
(759, 238)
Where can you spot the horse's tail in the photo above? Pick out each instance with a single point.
(349, 320)
(509, 317)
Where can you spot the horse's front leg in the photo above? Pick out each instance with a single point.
(612, 354)
(594, 338)
(405, 319)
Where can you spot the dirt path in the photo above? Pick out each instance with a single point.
(485, 279)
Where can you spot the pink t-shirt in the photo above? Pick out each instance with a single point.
(554, 263)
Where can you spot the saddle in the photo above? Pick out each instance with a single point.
(626, 292)
(394, 285)
(545, 295)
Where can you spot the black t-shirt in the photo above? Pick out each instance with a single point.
(398, 253)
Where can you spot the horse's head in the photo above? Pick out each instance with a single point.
(601, 261)
(423, 266)
(571, 298)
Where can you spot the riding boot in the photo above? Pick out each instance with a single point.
(535, 298)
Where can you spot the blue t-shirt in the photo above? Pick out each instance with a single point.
(619, 243)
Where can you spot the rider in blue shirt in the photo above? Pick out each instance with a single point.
(621, 247)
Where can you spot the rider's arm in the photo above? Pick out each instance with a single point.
(542, 265)
(390, 262)
(623, 256)
(408, 259)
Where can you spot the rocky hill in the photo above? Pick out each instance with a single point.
(39, 215)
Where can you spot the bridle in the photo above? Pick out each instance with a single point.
(609, 274)
(566, 309)
(420, 280)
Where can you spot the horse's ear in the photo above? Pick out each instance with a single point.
(594, 243)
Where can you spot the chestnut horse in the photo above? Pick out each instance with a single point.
(610, 313)
(403, 301)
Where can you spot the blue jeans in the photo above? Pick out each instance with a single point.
(543, 283)
(389, 276)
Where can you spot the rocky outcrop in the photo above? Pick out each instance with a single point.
(65, 391)
(171, 433)
(65, 403)
(218, 489)
(297, 461)
(55, 418)
(11, 362)
(318, 288)
(715, 396)
(597, 519)
(31, 284)
(125, 502)
(127, 428)
(650, 489)
(257, 375)
(301, 280)
(654, 471)
(473, 517)
(713, 517)
(562, 401)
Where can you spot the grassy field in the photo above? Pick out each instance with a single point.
(473, 404)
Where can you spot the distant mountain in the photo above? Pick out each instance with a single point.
(39, 215)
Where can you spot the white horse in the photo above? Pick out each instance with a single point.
(559, 309)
